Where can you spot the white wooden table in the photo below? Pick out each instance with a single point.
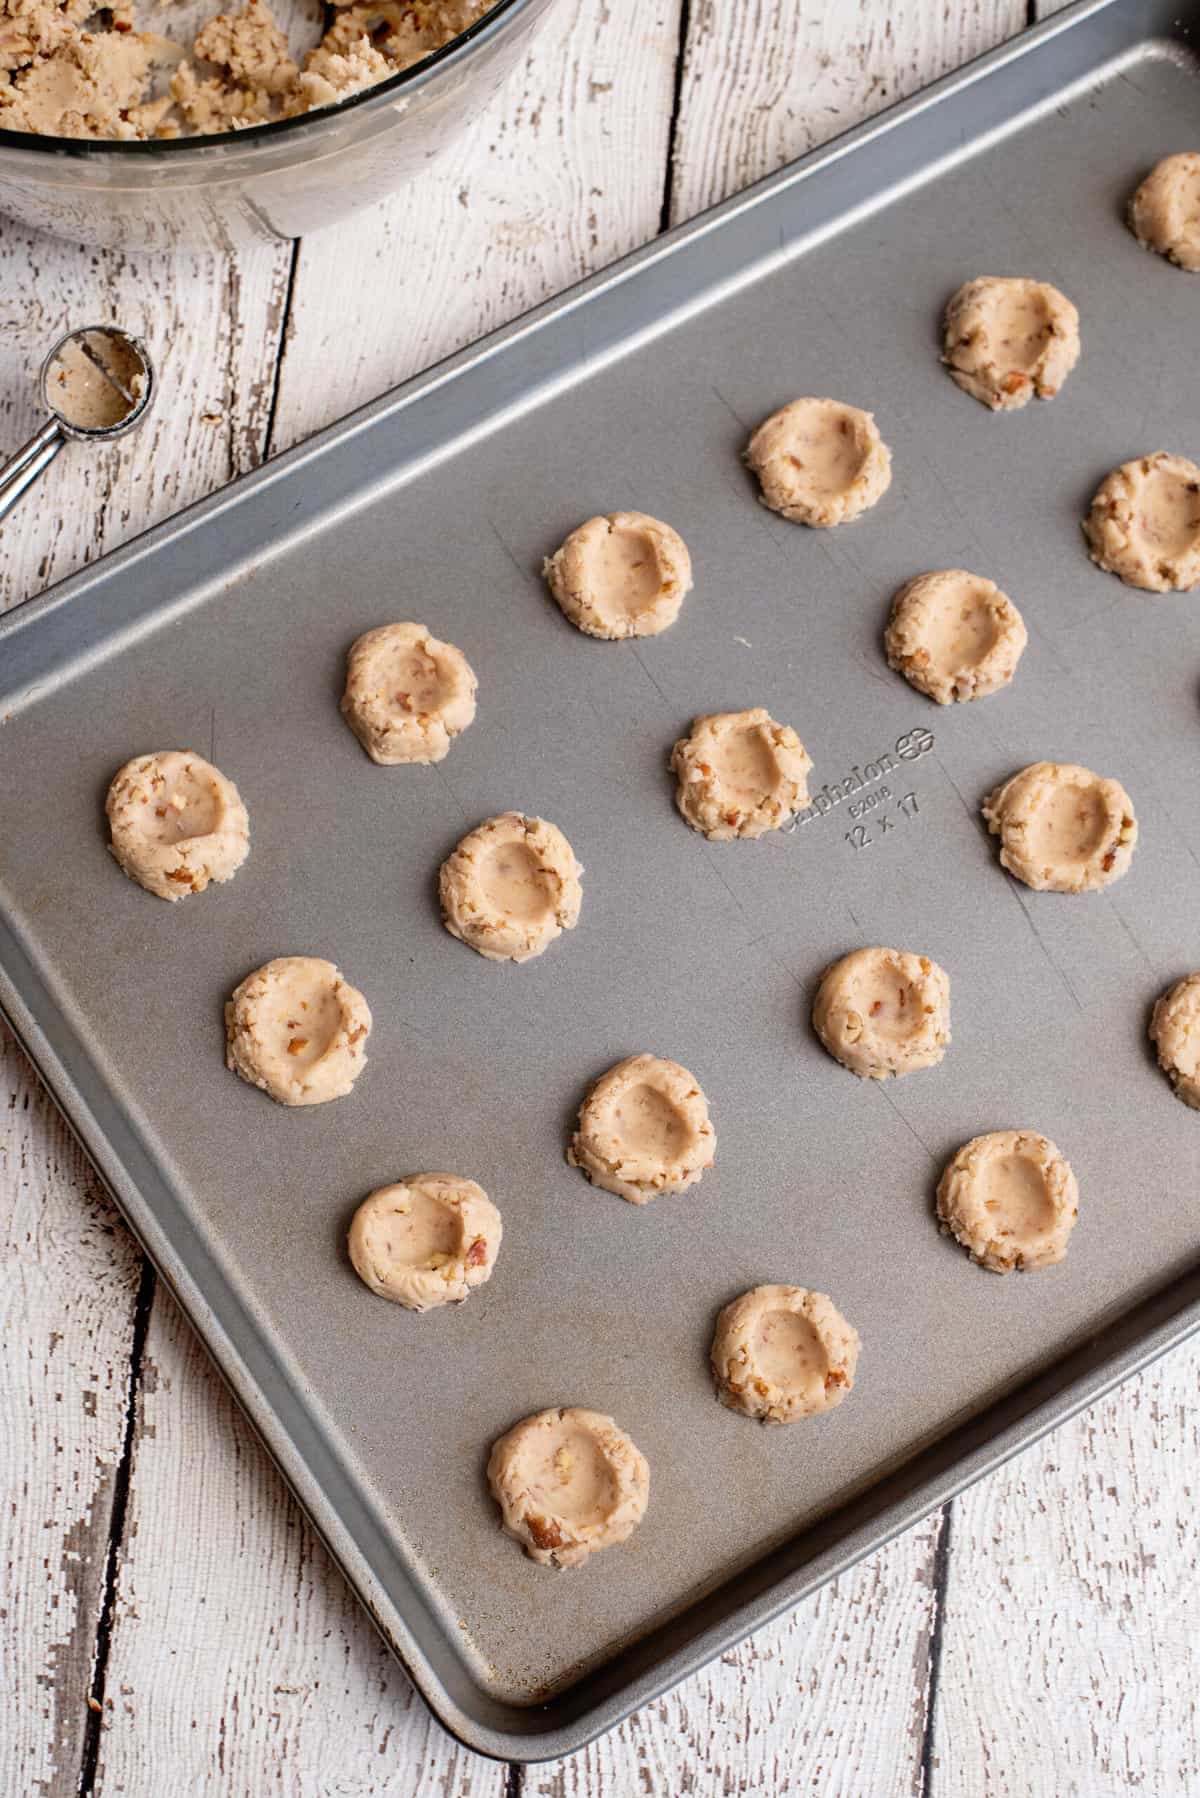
(168, 1624)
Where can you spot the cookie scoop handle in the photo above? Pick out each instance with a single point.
(20, 472)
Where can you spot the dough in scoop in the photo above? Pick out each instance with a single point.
(884, 1011)
(1144, 523)
(739, 774)
(820, 462)
(177, 823)
(625, 575)
(510, 887)
(1164, 213)
(780, 1353)
(569, 1483)
(1175, 1033)
(644, 1130)
(1062, 829)
(1009, 340)
(407, 696)
(298, 1030)
(954, 635)
(425, 1241)
(1010, 1199)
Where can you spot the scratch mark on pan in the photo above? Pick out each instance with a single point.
(1129, 933)
(1028, 917)
(915, 1134)
(641, 664)
(971, 811)
(520, 567)
(212, 734)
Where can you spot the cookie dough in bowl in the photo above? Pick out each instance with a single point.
(883, 1011)
(643, 1130)
(1175, 1033)
(954, 635)
(177, 823)
(510, 887)
(779, 1353)
(1062, 829)
(624, 575)
(1009, 340)
(425, 1241)
(739, 774)
(568, 1482)
(407, 696)
(1010, 1199)
(1144, 523)
(296, 1029)
(1164, 213)
(819, 462)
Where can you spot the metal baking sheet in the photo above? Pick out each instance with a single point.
(226, 630)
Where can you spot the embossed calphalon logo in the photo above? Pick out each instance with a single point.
(861, 784)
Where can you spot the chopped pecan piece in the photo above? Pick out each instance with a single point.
(477, 1253)
(545, 1533)
(297, 1045)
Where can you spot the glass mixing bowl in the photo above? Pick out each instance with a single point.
(267, 182)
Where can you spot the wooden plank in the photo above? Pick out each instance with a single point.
(765, 80)
(830, 1700)
(238, 1660)
(562, 174)
(248, 1624)
(1071, 1655)
(68, 1276)
(212, 325)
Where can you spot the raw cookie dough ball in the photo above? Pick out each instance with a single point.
(820, 462)
(1144, 523)
(625, 575)
(1062, 829)
(1010, 1199)
(643, 1130)
(407, 695)
(568, 1483)
(739, 774)
(426, 1241)
(884, 1011)
(510, 887)
(299, 1031)
(1007, 340)
(1164, 213)
(177, 823)
(1175, 1033)
(780, 1352)
(954, 635)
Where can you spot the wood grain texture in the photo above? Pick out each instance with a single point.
(239, 1662)
(829, 1700)
(212, 325)
(68, 1274)
(562, 174)
(765, 80)
(1071, 1638)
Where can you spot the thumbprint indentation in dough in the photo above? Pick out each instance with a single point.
(954, 635)
(647, 1123)
(1175, 1033)
(407, 695)
(177, 823)
(514, 883)
(746, 765)
(1164, 214)
(1014, 1192)
(303, 1017)
(789, 1352)
(623, 568)
(1067, 828)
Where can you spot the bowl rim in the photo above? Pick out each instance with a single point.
(206, 145)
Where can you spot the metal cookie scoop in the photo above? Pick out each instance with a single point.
(96, 384)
